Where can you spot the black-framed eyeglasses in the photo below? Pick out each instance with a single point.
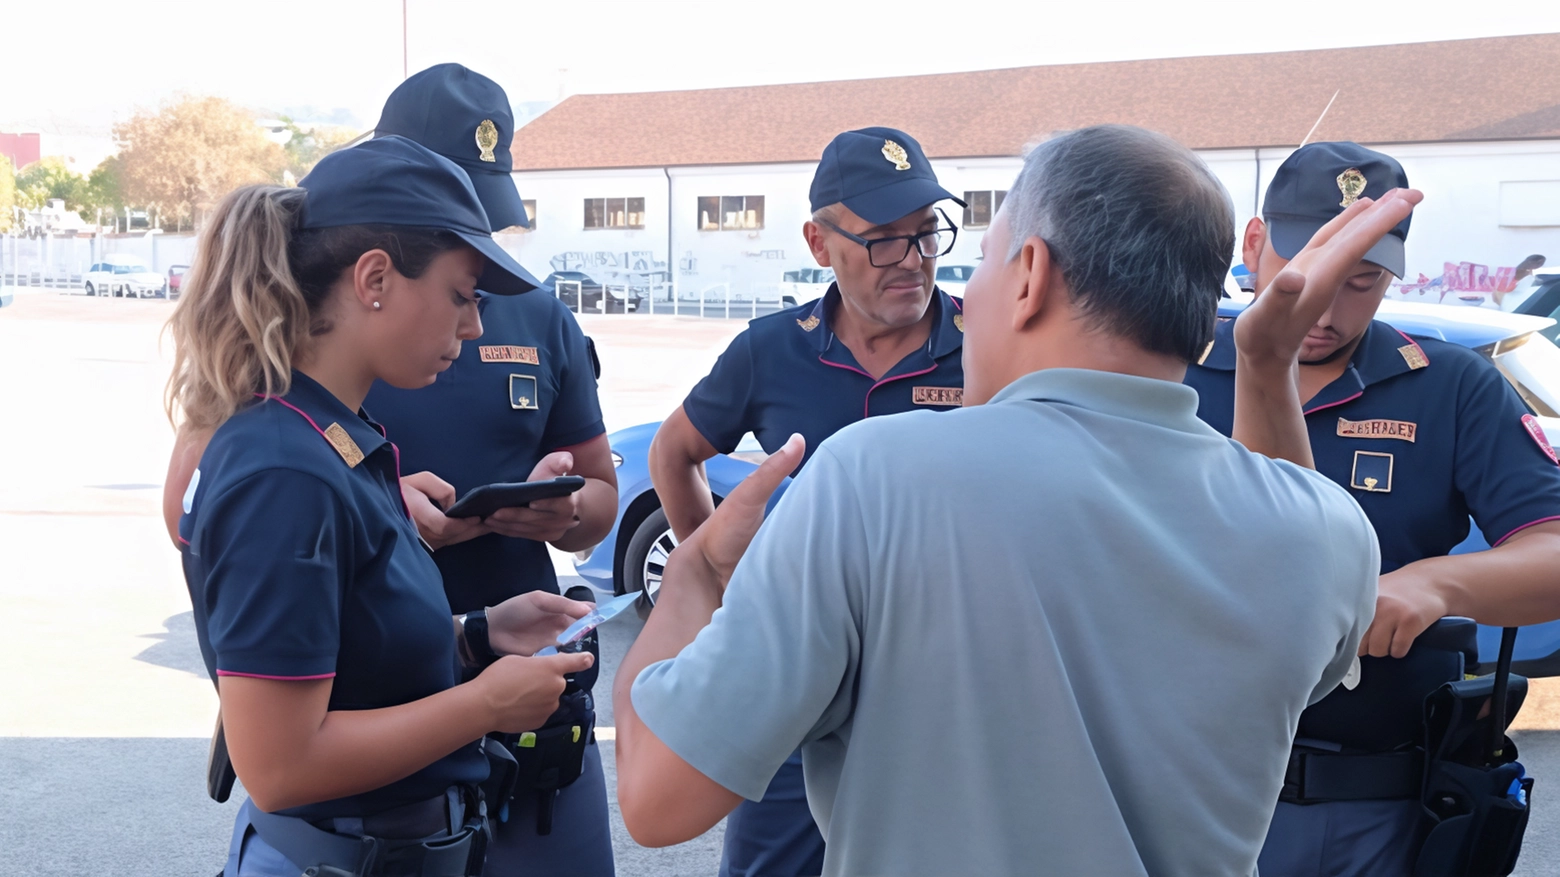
(888, 252)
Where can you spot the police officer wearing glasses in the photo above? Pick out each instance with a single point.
(882, 340)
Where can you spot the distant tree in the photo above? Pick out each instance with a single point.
(104, 191)
(7, 193)
(181, 159)
(309, 146)
(46, 179)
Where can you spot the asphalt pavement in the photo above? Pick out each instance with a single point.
(137, 806)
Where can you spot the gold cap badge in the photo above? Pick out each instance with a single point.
(487, 138)
(1351, 183)
(896, 154)
(958, 322)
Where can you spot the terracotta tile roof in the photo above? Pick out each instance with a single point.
(1484, 89)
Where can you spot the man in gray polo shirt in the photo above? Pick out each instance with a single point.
(1068, 630)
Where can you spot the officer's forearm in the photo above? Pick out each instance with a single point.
(598, 509)
(1268, 416)
(677, 471)
(665, 800)
(289, 750)
(1512, 585)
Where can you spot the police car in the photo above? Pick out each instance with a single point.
(633, 555)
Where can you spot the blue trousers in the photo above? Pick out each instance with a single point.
(580, 843)
(776, 836)
(1342, 839)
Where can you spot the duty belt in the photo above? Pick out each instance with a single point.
(1315, 776)
(453, 841)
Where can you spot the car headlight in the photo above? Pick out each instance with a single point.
(617, 460)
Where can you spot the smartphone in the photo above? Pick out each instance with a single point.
(603, 612)
(489, 498)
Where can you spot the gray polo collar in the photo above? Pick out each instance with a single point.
(1161, 403)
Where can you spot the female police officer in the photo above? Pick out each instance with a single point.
(519, 406)
(318, 612)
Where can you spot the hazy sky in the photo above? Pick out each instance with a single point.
(69, 69)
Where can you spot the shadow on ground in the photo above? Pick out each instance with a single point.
(175, 647)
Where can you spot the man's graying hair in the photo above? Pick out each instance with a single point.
(1142, 230)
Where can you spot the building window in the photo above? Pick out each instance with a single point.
(728, 212)
(614, 213)
(982, 206)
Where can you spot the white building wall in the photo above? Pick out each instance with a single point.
(559, 240)
(1460, 220)
(749, 262)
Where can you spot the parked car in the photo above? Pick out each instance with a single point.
(633, 555)
(582, 293)
(176, 280)
(123, 276)
(578, 290)
(804, 285)
(951, 278)
(1539, 296)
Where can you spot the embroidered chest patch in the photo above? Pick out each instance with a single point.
(508, 353)
(1372, 472)
(1378, 429)
(937, 395)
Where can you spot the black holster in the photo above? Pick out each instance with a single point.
(553, 756)
(1476, 796)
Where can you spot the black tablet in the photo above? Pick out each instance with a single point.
(489, 498)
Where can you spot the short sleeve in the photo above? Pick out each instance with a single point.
(1356, 560)
(276, 548)
(718, 405)
(576, 413)
(1502, 470)
(776, 666)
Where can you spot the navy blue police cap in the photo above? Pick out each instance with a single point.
(465, 117)
(393, 181)
(1317, 182)
(881, 174)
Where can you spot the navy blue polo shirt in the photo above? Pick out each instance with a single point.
(1423, 433)
(302, 564)
(788, 373)
(523, 390)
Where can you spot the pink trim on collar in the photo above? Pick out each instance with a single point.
(1310, 411)
(299, 411)
(867, 406)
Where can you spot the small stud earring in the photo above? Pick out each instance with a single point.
(376, 305)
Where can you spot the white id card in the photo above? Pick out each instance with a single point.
(603, 612)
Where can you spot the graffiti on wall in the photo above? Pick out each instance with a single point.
(1467, 280)
(633, 267)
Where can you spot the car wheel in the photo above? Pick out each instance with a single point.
(645, 560)
(90, 290)
(788, 301)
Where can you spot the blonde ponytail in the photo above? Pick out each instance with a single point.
(242, 315)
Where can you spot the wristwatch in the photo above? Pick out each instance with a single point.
(474, 638)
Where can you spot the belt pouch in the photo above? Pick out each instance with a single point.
(553, 756)
(1475, 806)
